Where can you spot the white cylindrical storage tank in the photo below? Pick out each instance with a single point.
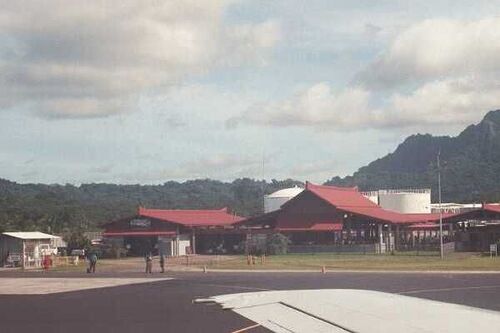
(371, 195)
(274, 200)
(406, 201)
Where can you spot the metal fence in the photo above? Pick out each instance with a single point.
(427, 248)
(334, 248)
(32, 260)
(415, 249)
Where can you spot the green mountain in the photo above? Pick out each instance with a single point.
(470, 164)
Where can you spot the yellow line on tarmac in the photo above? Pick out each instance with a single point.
(246, 329)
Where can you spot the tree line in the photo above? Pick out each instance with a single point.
(65, 208)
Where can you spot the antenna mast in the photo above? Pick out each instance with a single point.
(440, 208)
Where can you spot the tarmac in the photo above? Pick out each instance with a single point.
(164, 302)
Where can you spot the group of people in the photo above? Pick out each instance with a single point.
(92, 259)
(149, 263)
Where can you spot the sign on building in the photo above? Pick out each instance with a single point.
(140, 223)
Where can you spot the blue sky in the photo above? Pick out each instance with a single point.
(148, 91)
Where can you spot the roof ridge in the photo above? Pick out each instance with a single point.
(184, 210)
(364, 206)
(330, 187)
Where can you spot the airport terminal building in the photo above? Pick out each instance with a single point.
(317, 218)
(341, 219)
(333, 219)
(169, 232)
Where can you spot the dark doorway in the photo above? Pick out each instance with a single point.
(140, 246)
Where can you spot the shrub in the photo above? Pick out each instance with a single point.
(76, 240)
(277, 244)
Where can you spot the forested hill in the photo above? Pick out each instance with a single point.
(470, 164)
(60, 208)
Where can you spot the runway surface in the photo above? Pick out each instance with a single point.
(166, 305)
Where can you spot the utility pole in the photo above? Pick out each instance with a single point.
(440, 208)
(262, 188)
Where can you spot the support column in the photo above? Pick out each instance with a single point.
(351, 237)
(247, 240)
(390, 245)
(396, 239)
(176, 249)
(23, 258)
(380, 237)
(193, 242)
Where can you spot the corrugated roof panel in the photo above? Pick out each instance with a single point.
(192, 217)
(30, 235)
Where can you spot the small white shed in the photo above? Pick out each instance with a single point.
(26, 248)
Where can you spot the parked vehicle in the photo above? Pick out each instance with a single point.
(47, 250)
(78, 252)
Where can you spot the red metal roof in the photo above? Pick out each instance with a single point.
(425, 218)
(492, 208)
(341, 196)
(495, 208)
(138, 233)
(207, 218)
(350, 200)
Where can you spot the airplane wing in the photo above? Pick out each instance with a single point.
(360, 311)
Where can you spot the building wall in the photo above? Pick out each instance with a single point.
(173, 246)
(138, 245)
(165, 246)
(183, 243)
(9, 245)
(306, 211)
(139, 223)
(58, 242)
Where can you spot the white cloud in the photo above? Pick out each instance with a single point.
(223, 167)
(449, 67)
(220, 166)
(101, 169)
(438, 103)
(437, 49)
(314, 170)
(446, 102)
(316, 106)
(248, 41)
(93, 58)
(442, 72)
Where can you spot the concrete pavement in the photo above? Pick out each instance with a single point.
(166, 305)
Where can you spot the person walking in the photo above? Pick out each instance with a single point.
(46, 262)
(149, 263)
(92, 262)
(162, 263)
